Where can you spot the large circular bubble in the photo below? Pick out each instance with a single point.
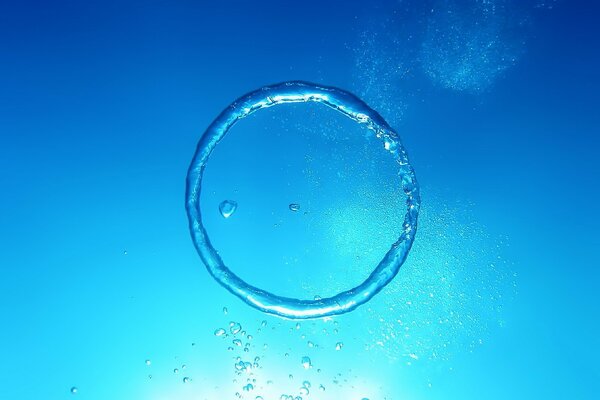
(349, 105)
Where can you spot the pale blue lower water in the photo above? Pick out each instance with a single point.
(104, 296)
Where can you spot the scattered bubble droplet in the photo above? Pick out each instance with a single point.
(220, 332)
(321, 388)
(237, 342)
(297, 325)
(186, 380)
(306, 363)
(176, 371)
(227, 208)
(148, 362)
(303, 391)
(339, 345)
(74, 390)
(225, 310)
(294, 207)
(248, 387)
(306, 384)
(235, 328)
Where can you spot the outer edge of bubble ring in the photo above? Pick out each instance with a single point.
(349, 105)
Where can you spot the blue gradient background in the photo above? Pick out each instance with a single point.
(101, 107)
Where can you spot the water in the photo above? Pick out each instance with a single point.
(103, 294)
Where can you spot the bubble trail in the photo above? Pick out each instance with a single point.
(350, 106)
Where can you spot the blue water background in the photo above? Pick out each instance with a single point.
(101, 107)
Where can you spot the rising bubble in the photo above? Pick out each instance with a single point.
(306, 363)
(227, 208)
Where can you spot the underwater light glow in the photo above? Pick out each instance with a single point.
(350, 106)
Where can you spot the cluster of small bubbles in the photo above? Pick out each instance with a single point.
(227, 208)
(458, 284)
(467, 47)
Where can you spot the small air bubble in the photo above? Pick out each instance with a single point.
(235, 328)
(220, 332)
(227, 208)
(306, 363)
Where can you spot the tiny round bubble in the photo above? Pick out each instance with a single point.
(349, 105)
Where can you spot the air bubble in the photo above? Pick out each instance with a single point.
(220, 332)
(294, 207)
(306, 363)
(227, 208)
(235, 328)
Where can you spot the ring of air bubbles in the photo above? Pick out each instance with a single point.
(350, 106)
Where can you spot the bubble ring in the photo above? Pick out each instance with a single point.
(350, 106)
